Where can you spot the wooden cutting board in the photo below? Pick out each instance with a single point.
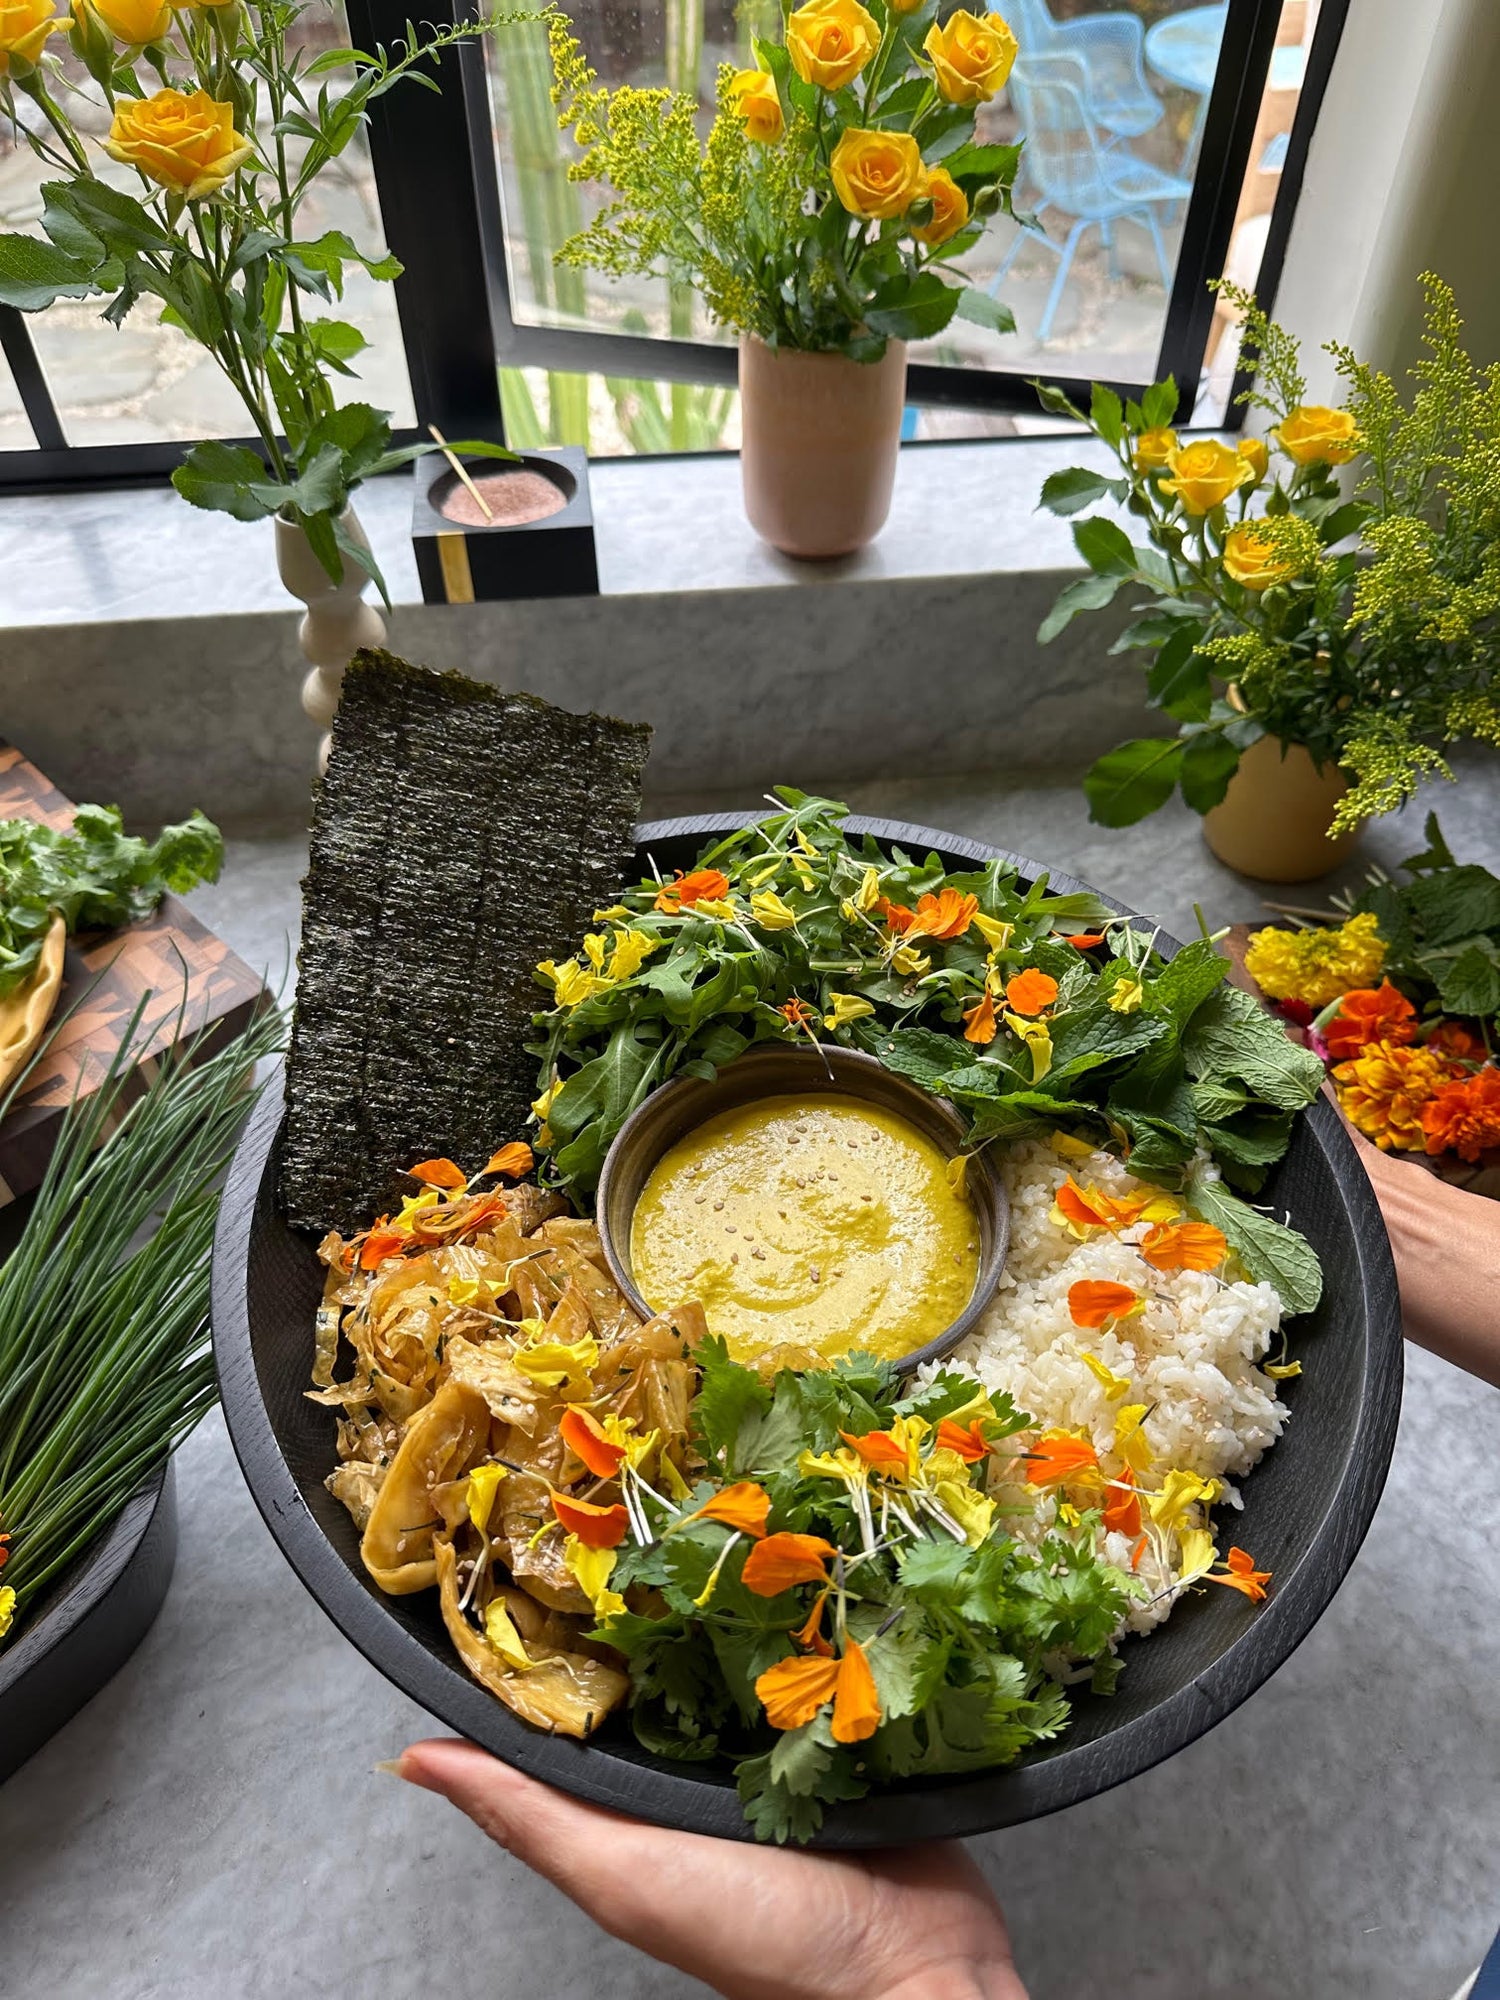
(105, 975)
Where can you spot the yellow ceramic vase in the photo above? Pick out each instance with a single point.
(1273, 821)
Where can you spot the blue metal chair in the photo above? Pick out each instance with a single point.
(1111, 48)
(1076, 172)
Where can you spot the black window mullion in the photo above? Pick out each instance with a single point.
(31, 383)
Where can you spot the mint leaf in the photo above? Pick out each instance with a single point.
(1471, 984)
(1231, 1035)
(1269, 1251)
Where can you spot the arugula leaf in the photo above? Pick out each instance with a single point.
(1272, 1253)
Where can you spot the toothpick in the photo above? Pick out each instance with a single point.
(479, 499)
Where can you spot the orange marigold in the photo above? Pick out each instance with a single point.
(1370, 1014)
(1464, 1116)
(1460, 1044)
(1383, 1089)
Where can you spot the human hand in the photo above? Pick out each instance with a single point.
(755, 1923)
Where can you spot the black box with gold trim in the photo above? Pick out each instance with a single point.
(551, 557)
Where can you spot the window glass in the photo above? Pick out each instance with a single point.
(146, 382)
(1110, 95)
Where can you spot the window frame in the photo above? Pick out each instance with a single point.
(438, 185)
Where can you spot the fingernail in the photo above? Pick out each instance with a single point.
(391, 1764)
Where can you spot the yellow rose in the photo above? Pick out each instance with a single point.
(1312, 435)
(755, 99)
(950, 208)
(971, 56)
(830, 41)
(877, 174)
(1204, 474)
(187, 144)
(1252, 452)
(1154, 447)
(135, 22)
(24, 28)
(1251, 558)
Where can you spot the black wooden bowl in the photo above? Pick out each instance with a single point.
(771, 1069)
(1307, 1506)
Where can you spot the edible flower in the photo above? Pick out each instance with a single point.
(479, 1494)
(438, 1174)
(542, 1105)
(381, 1242)
(893, 1450)
(1458, 1043)
(570, 984)
(997, 935)
(1464, 1116)
(500, 1630)
(847, 1007)
(974, 1512)
(743, 1507)
(795, 1689)
(1283, 1371)
(810, 1634)
(7, 1608)
(969, 1443)
(897, 916)
(462, 1291)
(782, 1561)
(1030, 991)
(703, 884)
(1370, 1014)
(1316, 966)
(1179, 1492)
(910, 962)
(798, 1013)
(511, 1162)
(1122, 1508)
(557, 1364)
(595, 1527)
(946, 915)
(1114, 1386)
(1097, 1301)
(1130, 1438)
(1058, 1457)
(856, 1704)
(771, 913)
(1084, 940)
(1385, 1089)
(588, 1440)
(1184, 1246)
(867, 896)
(1243, 1575)
(632, 949)
(1125, 996)
(1037, 1040)
(979, 1022)
(592, 1569)
(1196, 1554)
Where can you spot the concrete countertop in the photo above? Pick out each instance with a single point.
(213, 1825)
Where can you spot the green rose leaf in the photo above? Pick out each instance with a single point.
(1076, 487)
(1089, 593)
(34, 273)
(1105, 547)
(980, 309)
(1178, 680)
(1208, 763)
(1129, 782)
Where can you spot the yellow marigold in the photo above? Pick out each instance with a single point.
(1316, 966)
(1384, 1089)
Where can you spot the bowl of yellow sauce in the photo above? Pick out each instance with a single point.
(805, 1199)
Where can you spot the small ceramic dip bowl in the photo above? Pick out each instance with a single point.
(772, 1071)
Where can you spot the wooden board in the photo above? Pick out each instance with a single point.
(105, 976)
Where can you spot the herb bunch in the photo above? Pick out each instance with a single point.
(95, 877)
(1441, 930)
(104, 1361)
(1029, 1011)
(918, 1635)
(1359, 619)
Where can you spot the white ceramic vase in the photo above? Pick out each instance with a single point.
(337, 621)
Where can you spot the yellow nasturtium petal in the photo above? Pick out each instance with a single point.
(1130, 1438)
(1179, 1492)
(7, 1608)
(591, 1568)
(551, 1363)
(973, 1511)
(771, 913)
(997, 935)
(1283, 1371)
(543, 1104)
(1196, 1554)
(847, 1007)
(1113, 1385)
(462, 1291)
(867, 895)
(1125, 996)
(500, 1630)
(1034, 1034)
(480, 1493)
(910, 962)
(632, 949)
(1069, 1147)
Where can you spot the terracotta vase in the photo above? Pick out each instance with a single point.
(1273, 821)
(337, 621)
(819, 439)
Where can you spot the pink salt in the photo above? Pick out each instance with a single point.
(512, 498)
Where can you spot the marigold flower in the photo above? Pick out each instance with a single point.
(1030, 991)
(1464, 1116)
(1243, 1575)
(1316, 966)
(1122, 1511)
(1383, 1090)
(1184, 1246)
(704, 884)
(1097, 1301)
(945, 915)
(587, 1439)
(795, 1689)
(1059, 1457)
(1378, 1014)
(743, 1507)
(1458, 1043)
(595, 1527)
(438, 1173)
(979, 1022)
(782, 1561)
(856, 1704)
(511, 1161)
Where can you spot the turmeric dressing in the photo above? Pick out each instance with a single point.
(813, 1223)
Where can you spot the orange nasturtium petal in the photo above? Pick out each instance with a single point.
(1030, 991)
(1096, 1301)
(595, 1527)
(856, 1705)
(1085, 1211)
(882, 1450)
(1085, 940)
(1243, 1575)
(1058, 1456)
(584, 1436)
(780, 1562)
(743, 1507)
(438, 1173)
(795, 1689)
(1122, 1511)
(945, 915)
(809, 1636)
(979, 1022)
(1184, 1246)
(704, 885)
(380, 1244)
(969, 1444)
(513, 1160)
(897, 915)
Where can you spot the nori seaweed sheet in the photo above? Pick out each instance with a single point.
(462, 833)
